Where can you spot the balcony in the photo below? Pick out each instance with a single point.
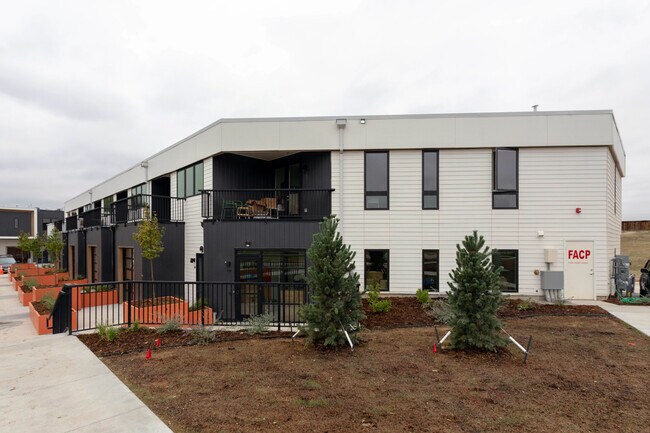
(266, 204)
(134, 208)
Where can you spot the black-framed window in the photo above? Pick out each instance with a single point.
(430, 166)
(108, 201)
(189, 181)
(430, 270)
(377, 269)
(140, 189)
(505, 178)
(271, 266)
(509, 260)
(376, 180)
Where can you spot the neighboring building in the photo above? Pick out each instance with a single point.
(241, 199)
(32, 221)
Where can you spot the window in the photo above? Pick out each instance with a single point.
(271, 266)
(189, 181)
(140, 189)
(137, 193)
(509, 259)
(107, 202)
(15, 223)
(430, 179)
(376, 180)
(377, 269)
(505, 163)
(430, 266)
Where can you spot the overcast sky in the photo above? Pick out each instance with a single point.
(88, 89)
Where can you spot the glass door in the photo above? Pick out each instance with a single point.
(248, 272)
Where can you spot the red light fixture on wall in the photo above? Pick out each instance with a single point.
(578, 210)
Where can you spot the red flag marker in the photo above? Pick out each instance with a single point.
(434, 349)
(158, 342)
(148, 356)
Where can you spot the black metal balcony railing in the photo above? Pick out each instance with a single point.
(90, 218)
(71, 223)
(268, 204)
(134, 208)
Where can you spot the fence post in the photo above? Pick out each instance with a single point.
(202, 304)
(279, 303)
(129, 300)
(68, 311)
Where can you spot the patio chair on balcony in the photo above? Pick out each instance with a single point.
(229, 209)
(245, 211)
(270, 207)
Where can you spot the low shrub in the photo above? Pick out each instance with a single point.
(30, 282)
(108, 333)
(377, 305)
(170, 324)
(135, 326)
(202, 336)
(48, 301)
(258, 324)
(525, 305)
(423, 296)
(439, 310)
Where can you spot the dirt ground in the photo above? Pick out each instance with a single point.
(583, 374)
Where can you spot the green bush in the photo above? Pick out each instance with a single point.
(170, 324)
(48, 301)
(377, 305)
(258, 324)
(439, 310)
(135, 326)
(202, 336)
(423, 296)
(30, 282)
(108, 333)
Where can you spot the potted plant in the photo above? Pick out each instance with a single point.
(91, 296)
(39, 312)
(25, 294)
(198, 309)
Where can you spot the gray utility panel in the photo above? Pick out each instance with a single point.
(621, 274)
(553, 285)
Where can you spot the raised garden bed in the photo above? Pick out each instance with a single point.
(156, 310)
(194, 317)
(39, 292)
(38, 314)
(92, 296)
(25, 295)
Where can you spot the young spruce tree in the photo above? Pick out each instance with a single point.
(475, 297)
(336, 300)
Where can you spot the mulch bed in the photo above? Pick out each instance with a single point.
(408, 312)
(145, 338)
(26, 289)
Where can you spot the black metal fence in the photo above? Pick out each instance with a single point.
(269, 204)
(83, 307)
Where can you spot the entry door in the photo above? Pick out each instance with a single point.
(579, 270)
(248, 271)
(199, 267)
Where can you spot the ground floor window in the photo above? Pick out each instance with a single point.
(509, 259)
(430, 267)
(271, 266)
(377, 269)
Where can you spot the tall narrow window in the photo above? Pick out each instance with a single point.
(15, 223)
(377, 269)
(505, 175)
(376, 180)
(430, 179)
(509, 260)
(189, 180)
(430, 266)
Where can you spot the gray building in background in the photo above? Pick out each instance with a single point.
(32, 221)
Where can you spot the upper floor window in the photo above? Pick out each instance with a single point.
(430, 179)
(505, 177)
(140, 189)
(108, 201)
(376, 180)
(189, 181)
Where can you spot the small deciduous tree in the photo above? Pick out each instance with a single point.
(54, 245)
(149, 237)
(475, 297)
(336, 300)
(24, 242)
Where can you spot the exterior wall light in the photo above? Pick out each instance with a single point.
(247, 244)
(362, 121)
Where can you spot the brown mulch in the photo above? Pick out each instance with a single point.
(41, 308)
(145, 338)
(408, 312)
(26, 289)
(583, 374)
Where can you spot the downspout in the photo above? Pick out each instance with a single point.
(341, 124)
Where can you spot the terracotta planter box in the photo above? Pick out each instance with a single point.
(38, 293)
(159, 313)
(39, 321)
(16, 266)
(194, 317)
(91, 299)
(25, 297)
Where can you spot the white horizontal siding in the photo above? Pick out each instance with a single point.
(553, 182)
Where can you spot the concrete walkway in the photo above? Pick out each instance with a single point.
(637, 316)
(53, 383)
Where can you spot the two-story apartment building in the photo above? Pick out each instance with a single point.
(16, 220)
(242, 198)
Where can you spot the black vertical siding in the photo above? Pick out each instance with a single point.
(8, 222)
(102, 238)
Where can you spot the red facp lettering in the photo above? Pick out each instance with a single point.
(579, 254)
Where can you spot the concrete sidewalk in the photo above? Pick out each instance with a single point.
(637, 316)
(53, 383)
